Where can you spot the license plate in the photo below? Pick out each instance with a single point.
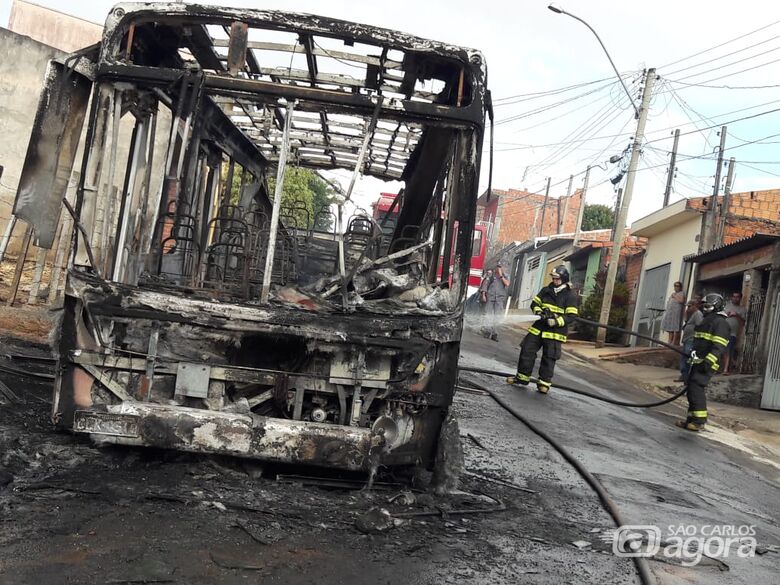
(117, 425)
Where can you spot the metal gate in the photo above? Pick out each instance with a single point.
(770, 398)
(750, 358)
(531, 278)
(652, 301)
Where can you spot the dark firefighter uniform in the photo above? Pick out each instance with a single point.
(556, 307)
(710, 340)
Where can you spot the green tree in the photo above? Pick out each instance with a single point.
(618, 313)
(597, 217)
(304, 194)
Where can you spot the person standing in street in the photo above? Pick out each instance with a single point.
(496, 300)
(735, 317)
(673, 315)
(556, 307)
(693, 318)
(710, 342)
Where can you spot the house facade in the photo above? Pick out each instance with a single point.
(516, 215)
(671, 233)
(721, 245)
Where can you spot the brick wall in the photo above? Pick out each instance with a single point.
(633, 272)
(749, 213)
(517, 214)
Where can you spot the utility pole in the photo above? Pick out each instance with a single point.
(618, 204)
(581, 211)
(544, 209)
(707, 235)
(724, 210)
(562, 220)
(617, 244)
(672, 163)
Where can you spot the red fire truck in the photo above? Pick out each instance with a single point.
(385, 204)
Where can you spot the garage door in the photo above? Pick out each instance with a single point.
(652, 301)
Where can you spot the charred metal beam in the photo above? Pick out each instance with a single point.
(202, 46)
(311, 61)
(122, 16)
(411, 111)
(326, 136)
(51, 151)
(271, 250)
(237, 50)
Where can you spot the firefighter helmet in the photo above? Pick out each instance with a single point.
(712, 302)
(561, 272)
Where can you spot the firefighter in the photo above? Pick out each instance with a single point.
(710, 340)
(556, 307)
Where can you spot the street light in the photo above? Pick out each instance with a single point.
(622, 211)
(559, 10)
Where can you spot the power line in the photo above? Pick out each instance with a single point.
(758, 169)
(687, 107)
(752, 116)
(723, 44)
(689, 157)
(538, 94)
(723, 56)
(729, 64)
(547, 107)
(731, 74)
(584, 128)
(724, 86)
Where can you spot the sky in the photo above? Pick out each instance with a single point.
(533, 52)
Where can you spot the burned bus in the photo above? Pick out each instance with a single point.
(202, 312)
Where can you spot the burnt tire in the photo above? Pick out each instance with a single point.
(448, 462)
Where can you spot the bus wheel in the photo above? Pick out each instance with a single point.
(448, 464)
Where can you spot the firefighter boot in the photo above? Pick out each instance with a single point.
(518, 379)
(690, 425)
(542, 386)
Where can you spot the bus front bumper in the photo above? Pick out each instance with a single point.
(242, 435)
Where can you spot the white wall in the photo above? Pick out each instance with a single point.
(670, 246)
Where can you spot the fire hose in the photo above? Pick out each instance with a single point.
(591, 394)
(642, 567)
(645, 575)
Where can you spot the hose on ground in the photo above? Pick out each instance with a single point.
(642, 567)
(633, 333)
(580, 391)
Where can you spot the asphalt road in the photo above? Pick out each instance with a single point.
(71, 513)
(657, 474)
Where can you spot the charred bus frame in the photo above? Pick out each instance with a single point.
(202, 313)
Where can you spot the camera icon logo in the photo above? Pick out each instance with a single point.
(636, 540)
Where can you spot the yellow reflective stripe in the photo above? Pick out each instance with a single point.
(698, 413)
(536, 299)
(556, 336)
(543, 383)
(536, 309)
(522, 377)
(711, 358)
(533, 331)
(711, 337)
(560, 321)
(572, 311)
(553, 308)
